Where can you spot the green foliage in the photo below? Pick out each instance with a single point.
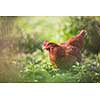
(28, 43)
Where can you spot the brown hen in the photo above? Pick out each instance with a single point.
(66, 54)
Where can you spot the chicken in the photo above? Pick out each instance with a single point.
(65, 54)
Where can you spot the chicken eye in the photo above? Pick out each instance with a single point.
(48, 49)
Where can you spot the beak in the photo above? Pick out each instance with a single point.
(43, 47)
(84, 32)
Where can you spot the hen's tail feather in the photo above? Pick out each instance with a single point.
(77, 40)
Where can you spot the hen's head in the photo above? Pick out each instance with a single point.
(49, 45)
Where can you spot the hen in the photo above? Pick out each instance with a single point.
(65, 54)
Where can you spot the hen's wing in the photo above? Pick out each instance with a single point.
(73, 51)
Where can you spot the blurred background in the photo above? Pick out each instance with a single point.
(22, 58)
